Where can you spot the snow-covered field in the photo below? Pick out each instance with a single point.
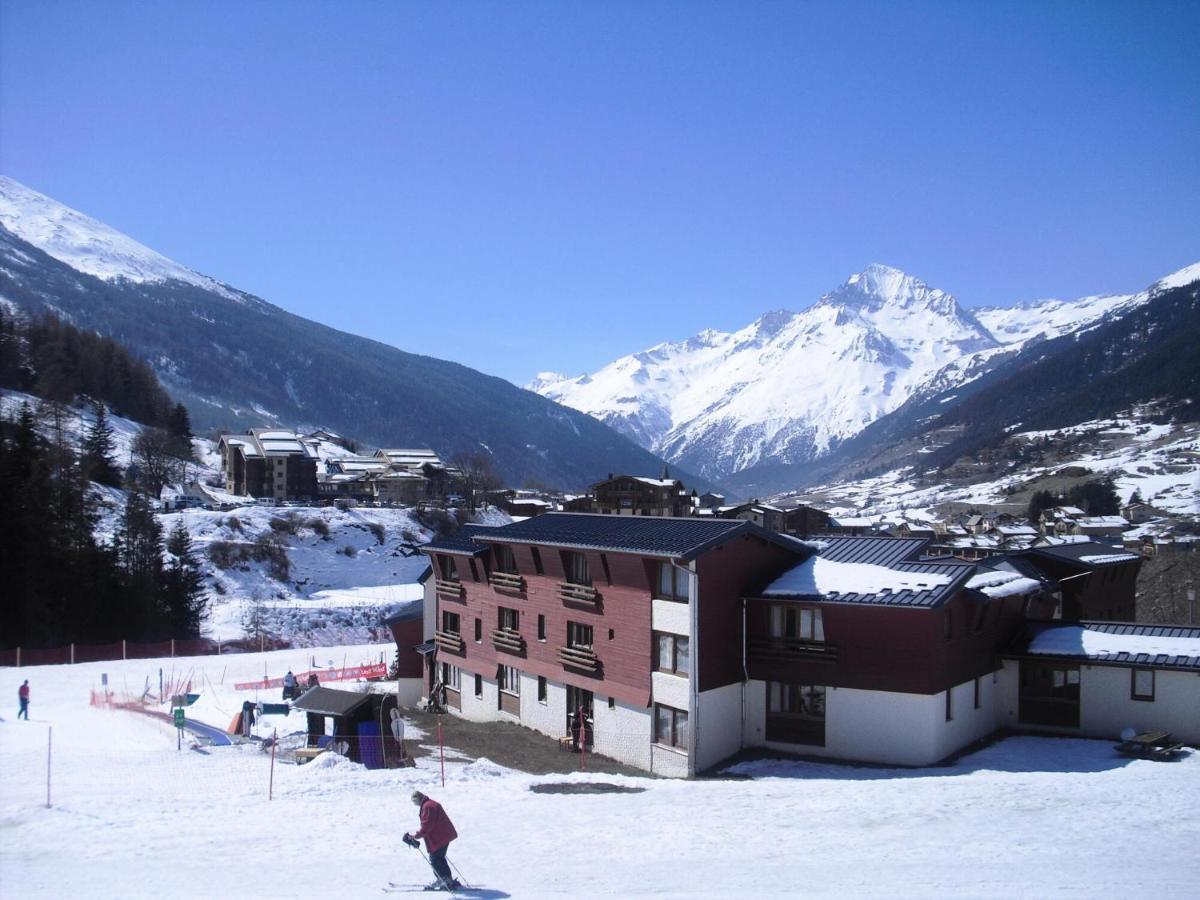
(131, 816)
(1161, 462)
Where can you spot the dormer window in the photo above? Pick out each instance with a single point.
(447, 568)
(503, 559)
(575, 567)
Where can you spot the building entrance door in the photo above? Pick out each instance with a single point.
(579, 714)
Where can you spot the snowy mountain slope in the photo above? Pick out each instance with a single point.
(789, 387)
(87, 245)
(238, 361)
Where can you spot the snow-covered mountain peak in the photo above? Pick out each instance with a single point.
(85, 244)
(878, 285)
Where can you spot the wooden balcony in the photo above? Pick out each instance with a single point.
(449, 641)
(583, 658)
(582, 594)
(451, 590)
(791, 649)
(507, 581)
(509, 641)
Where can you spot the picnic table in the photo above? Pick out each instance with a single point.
(1151, 745)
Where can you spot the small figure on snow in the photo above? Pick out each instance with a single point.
(438, 831)
(312, 680)
(289, 685)
(23, 696)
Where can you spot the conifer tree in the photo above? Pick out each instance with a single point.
(99, 447)
(184, 602)
(140, 545)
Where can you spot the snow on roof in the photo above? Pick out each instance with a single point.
(998, 584)
(864, 522)
(1101, 522)
(1017, 530)
(817, 577)
(1102, 558)
(656, 482)
(1080, 640)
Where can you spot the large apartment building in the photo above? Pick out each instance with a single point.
(673, 643)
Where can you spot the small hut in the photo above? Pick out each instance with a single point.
(364, 726)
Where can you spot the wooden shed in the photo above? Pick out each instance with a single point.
(363, 726)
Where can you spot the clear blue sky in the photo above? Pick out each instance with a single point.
(548, 186)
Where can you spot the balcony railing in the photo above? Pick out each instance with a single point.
(508, 640)
(508, 581)
(579, 658)
(449, 641)
(578, 593)
(451, 590)
(782, 648)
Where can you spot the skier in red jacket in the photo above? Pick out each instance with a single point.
(438, 831)
(23, 696)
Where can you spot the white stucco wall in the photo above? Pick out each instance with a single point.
(550, 718)
(479, 709)
(1105, 705)
(409, 691)
(668, 762)
(718, 725)
(671, 690)
(622, 733)
(671, 616)
(883, 726)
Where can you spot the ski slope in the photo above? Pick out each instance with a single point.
(132, 816)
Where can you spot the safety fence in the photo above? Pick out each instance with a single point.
(69, 654)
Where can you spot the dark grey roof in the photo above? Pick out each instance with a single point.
(330, 702)
(878, 551)
(462, 541)
(897, 554)
(1020, 645)
(673, 538)
(1074, 553)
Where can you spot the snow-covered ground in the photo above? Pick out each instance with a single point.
(1161, 462)
(131, 816)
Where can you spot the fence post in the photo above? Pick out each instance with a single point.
(49, 750)
(72, 654)
(18, 657)
(123, 656)
(271, 783)
(172, 648)
(442, 751)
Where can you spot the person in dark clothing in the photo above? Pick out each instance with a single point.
(23, 696)
(438, 831)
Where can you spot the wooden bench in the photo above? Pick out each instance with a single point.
(307, 753)
(1150, 745)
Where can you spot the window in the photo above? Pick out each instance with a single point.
(575, 567)
(478, 631)
(670, 726)
(541, 627)
(1142, 684)
(509, 619)
(674, 582)
(447, 568)
(541, 689)
(796, 713)
(537, 560)
(1049, 694)
(503, 559)
(451, 677)
(510, 680)
(797, 623)
(672, 654)
(977, 697)
(612, 702)
(579, 636)
(450, 623)
(478, 685)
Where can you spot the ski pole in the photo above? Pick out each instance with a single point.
(458, 872)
